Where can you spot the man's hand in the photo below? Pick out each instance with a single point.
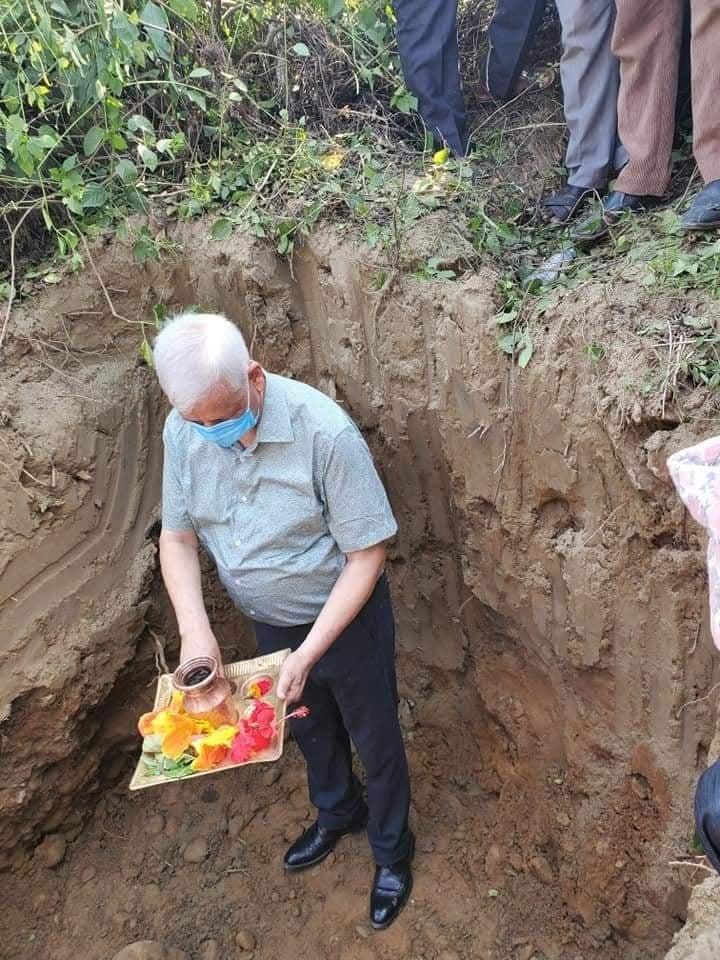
(293, 675)
(200, 643)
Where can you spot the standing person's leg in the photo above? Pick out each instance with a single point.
(512, 29)
(647, 42)
(427, 43)
(590, 80)
(705, 65)
(333, 787)
(360, 669)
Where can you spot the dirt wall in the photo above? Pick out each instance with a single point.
(542, 551)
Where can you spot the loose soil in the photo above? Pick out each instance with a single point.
(485, 868)
(550, 598)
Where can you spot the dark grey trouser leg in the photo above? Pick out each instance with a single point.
(512, 30)
(427, 43)
(590, 79)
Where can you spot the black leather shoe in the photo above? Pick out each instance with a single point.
(391, 889)
(317, 842)
(563, 205)
(614, 205)
(704, 212)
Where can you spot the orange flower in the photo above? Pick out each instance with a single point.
(213, 748)
(209, 756)
(152, 722)
(177, 731)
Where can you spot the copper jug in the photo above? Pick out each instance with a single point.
(207, 695)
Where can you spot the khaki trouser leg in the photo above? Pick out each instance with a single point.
(647, 42)
(706, 86)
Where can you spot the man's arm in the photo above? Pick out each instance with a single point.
(351, 592)
(181, 572)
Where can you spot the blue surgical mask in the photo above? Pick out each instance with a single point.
(228, 432)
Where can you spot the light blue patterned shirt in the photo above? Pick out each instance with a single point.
(278, 517)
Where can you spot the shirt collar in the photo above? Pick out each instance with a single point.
(275, 425)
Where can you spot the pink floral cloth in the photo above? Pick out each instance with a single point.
(696, 474)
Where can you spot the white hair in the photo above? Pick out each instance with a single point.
(195, 353)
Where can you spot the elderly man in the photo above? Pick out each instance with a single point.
(276, 482)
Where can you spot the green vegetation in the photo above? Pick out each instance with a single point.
(107, 105)
(268, 116)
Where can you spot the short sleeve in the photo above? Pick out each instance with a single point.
(174, 508)
(357, 509)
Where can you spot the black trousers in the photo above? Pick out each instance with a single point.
(707, 813)
(352, 694)
(427, 44)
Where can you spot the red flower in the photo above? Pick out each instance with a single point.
(243, 746)
(258, 688)
(262, 717)
(255, 732)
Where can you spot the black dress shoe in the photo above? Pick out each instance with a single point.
(614, 205)
(391, 889)
(704, 212)
(563, 205)
(317, 842)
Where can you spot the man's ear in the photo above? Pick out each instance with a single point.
(256, 376)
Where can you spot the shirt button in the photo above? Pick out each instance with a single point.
(244, 499)
(252, 613)
(237, 582)
(238, 543)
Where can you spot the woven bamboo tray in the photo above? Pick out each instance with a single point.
(240, 672)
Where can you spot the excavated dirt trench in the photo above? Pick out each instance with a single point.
(550, 598)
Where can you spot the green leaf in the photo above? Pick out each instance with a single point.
(508, 343)
(301, 49)
(526, 353)
(221, 229)
(148, 157)
(95, 196)
(124, 29)
(185, 8)
(156, 24)
(199, 72)
(145, 248)
(147, 355)
(127, 171)
(138, 122)
(197, 98)
(118, 142)
(93, 138)
(333, 8)
(74, 205)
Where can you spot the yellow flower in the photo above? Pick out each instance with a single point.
(222, 737)
(440, 156)
(177, 731)
(332, 161)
